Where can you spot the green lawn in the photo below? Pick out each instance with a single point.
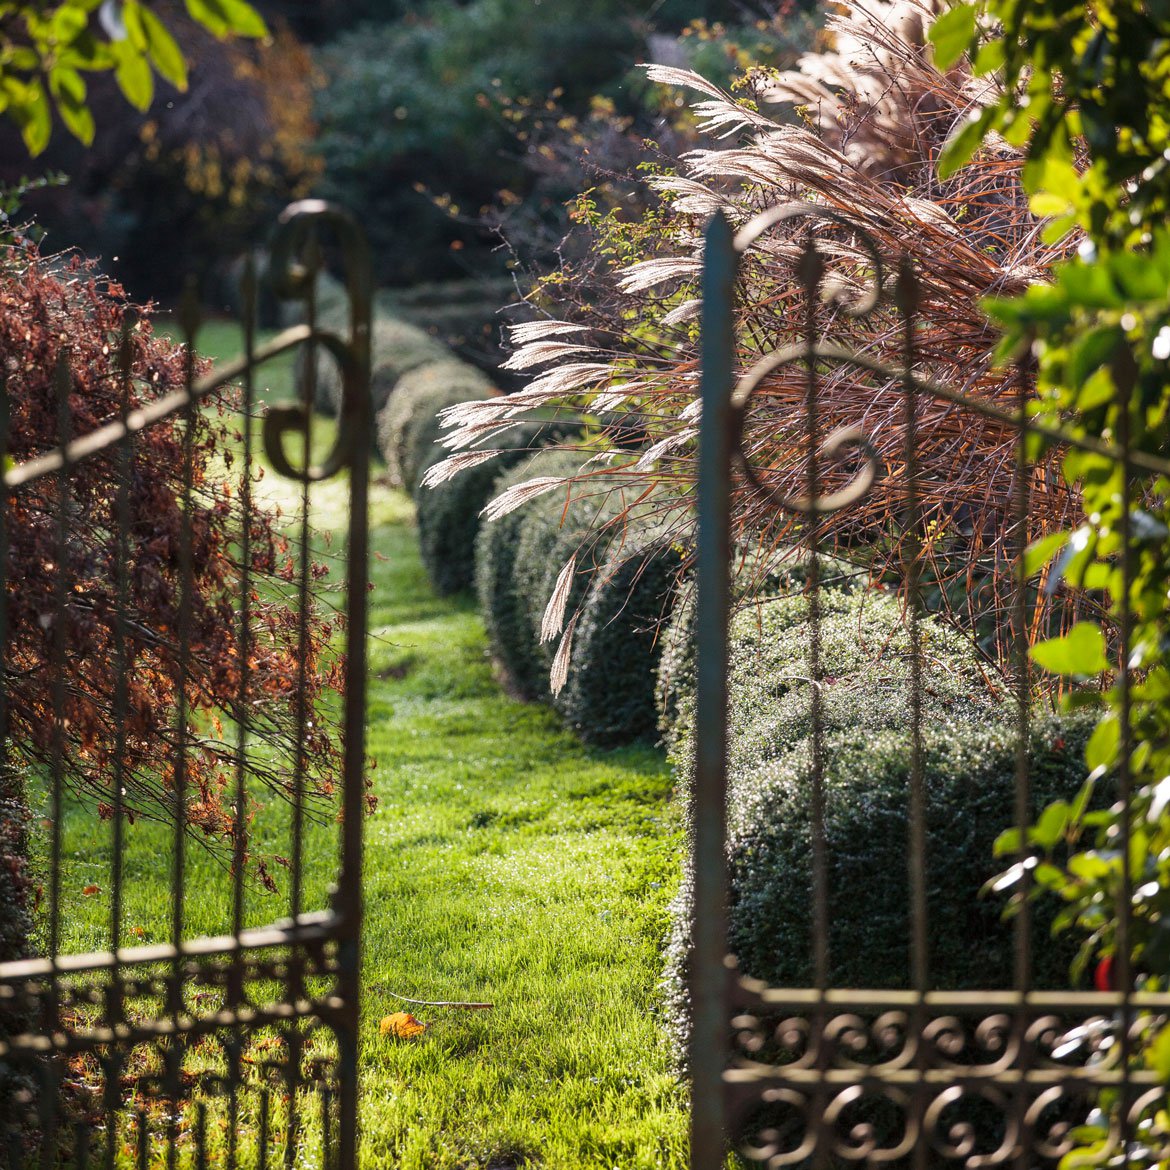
(505, 863)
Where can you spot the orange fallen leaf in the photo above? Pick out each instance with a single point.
(401, 1026)
(91, 890)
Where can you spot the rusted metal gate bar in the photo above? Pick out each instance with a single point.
(933, 1047)
(299, 974)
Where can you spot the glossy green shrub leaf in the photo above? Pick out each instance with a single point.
(951, 34)
(164, 50)
(228, 17)
(132, 72)
(1041, 551)
(965, 138)
(1080, 651)
(1101, 752)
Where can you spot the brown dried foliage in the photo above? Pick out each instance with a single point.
(856, 129)
(62, 650)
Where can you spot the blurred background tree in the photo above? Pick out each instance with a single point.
(448, 126)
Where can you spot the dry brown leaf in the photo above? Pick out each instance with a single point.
(401, 1026)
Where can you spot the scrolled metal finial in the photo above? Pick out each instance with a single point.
(784, 212)
(833, 446)
(294, 261)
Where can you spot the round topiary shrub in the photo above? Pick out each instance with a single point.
(557, 527)
(865, 665)
(449, 513)
(408, 425)
(969, 774)
(502, 603)
(777, 573)
(609, 696)
(396, 348)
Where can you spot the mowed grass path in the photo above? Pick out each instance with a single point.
(505, 863)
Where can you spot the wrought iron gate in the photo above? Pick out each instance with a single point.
(156, 1047)
(828, 1051)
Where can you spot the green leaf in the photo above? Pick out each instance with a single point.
(68, 87)
(963, 141)
(69, 21)
(989, 58)
(1080, 651)
(1101, 750)
(1041, 551)
(1047, 204)
(1092, 350)
(35, 117)
(222, 17)
(132, 13)
(952, 34)
(133, 75)
(1051, 826)
(164, 50)
(1007, 843)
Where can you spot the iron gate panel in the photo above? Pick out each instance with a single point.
(778, 1072)
(239, 1048)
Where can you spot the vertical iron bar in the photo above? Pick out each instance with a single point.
(201, 1136)
(907, 301)
(262, 1153)
(357, 415)
(326, 1127)
(1124, 376)
(811, 272)
(80, 1145)
(240, 821)
(59, 654)
(12, 1022)
(308, 391)
(189, 319)
(710, 1024)
(235, 990)
(122, 457)
(1023, 801)
(143, 1141)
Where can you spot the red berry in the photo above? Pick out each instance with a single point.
(1103, 976)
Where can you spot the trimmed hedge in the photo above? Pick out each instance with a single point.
(449, 514)
(502, 603)
(408, 424)
(550, 534)
(609, 697)
(763, 576)
(396, 348)
(865, 664)
(969, 774)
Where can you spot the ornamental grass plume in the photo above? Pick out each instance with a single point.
(855, 129)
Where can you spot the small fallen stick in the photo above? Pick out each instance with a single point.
(447, 1003)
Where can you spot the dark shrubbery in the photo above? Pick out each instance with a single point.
(449, 514)
(865, 660)
(396, 348)
(865, 663)
(408, 424)
(424, 100)
(780, 573)
(969, 774)
(609, 696)
(502, 603)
